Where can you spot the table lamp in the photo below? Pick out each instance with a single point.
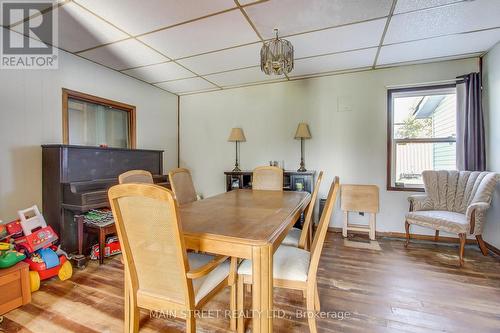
(237, 136)
(302, 133)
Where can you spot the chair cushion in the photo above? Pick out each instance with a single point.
(440, 220)
(203, 285)
(289, 263)
(293, 237)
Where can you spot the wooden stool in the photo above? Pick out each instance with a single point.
(14, 287)
(101, 232)
(359, 198)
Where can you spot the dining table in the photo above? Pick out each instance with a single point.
(247, 224)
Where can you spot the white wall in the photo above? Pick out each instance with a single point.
(351, 144)
(31, 115)
(491, 107)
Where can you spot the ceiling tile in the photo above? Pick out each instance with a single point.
(439, 47)
(125, 54)
(403, 6)
(137, 17)
(247, 2)
(334, 62)
(242, 76)
(351, 37)
(187, 85)
(210, 34)
(460, 17)
(160, 72)
(294, 16)
(80, 30)
(239, 57)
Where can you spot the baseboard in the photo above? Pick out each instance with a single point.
(492, 248)
(444, 239)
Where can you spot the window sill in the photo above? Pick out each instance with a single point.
(405, 189)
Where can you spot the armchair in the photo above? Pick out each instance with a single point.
(455, 202)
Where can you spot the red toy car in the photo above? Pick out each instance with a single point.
(36, 240)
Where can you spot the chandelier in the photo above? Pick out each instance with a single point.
(276, 56)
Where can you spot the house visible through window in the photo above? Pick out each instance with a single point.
(422, 134)
(94, 121)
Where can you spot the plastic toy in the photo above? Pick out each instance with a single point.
(36, 240)
(8, 256)
(112, 247)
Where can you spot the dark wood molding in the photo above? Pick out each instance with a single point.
(67, 93)
(402, 235)
(492, 248)
(390, 111)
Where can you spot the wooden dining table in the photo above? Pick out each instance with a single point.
(247, 224)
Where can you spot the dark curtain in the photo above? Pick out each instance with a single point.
(471, 134)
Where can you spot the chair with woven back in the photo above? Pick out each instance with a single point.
(159, 274)
(302, 238)
(267, 178)
(182, 185)
(294, 268)
(136, 176)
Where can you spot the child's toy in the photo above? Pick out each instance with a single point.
(112, 247)
(8, 256)
(3, 231)
(37, 244)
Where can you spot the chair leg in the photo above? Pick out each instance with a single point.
(436, 236)
(463, 238)
(407, 228)
(190, 323)
(482, 246)
(240, 305)
(317, 304)
(126, 319)
(311, 313)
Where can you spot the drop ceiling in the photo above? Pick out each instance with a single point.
(192, 46)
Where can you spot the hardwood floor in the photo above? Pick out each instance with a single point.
(419, 289)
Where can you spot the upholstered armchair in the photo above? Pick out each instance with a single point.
(455, 202)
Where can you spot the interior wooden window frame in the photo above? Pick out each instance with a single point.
(390, 113)
(67, 94)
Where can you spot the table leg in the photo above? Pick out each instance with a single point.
(80, 235)
(262, 288)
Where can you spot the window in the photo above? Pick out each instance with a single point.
(93, 121)
(421, 134)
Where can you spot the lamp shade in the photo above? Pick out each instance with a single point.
(302, 131)
(237, 135)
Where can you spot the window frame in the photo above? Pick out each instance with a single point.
(390, 132)
(67, 94)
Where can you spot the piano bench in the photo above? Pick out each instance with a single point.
(101, 232)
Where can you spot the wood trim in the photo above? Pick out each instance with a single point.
(390, 111)
(131, 109)
(492, 248)
(402, 235)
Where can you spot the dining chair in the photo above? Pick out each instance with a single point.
(136, 176)
(182, 185)
(302, 238)
(294, 268)
(159, 274)
(268, 178)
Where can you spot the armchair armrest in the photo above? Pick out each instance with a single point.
(471, 213)
(205, 269)
(419, 202)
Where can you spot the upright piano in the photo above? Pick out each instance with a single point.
(76, 179)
